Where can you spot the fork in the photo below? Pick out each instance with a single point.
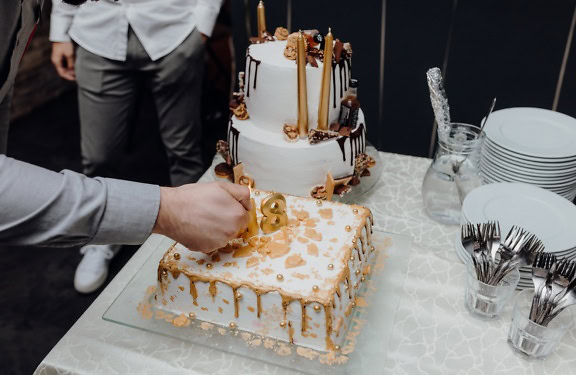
(568, 299)
(559, 289)
(542, 264)
(512, 244)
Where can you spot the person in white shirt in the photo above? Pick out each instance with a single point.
(114, 49)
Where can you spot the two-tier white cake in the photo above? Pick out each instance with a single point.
(267, 105)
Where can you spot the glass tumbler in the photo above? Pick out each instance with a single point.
(454, 172)
(530, 340)
(485, 301)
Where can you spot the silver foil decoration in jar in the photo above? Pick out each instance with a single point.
(438, 99)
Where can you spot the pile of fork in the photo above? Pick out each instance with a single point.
(554, 287)
(493, 259)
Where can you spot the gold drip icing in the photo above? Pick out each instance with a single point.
(193, 292)
(291, 332)
(258, 303)
(303, 305)
(235, 291)
(328, 312)
(213, 290)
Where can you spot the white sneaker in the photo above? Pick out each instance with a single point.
(92, 270)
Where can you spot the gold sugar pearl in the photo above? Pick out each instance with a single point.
(355, 210)
(256, 193)
(315, 288)
(336, 347)
(233, 325)
(238, 295)
(330, 266)
(164, 273)
(353, 304)
(356, 285)
(192, 315)
(346, 288)
(209, 266)
(176, 256)
(352, 258)
(279, 277)
(372, 248)
(358, 272)
(348, 228)
(318, 202)
(362, 279)
(317, 308)
(283, 324)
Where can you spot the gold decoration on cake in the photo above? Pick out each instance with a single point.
(355, 211)
(336, 347)
(164, 273)
(353, 304)
(240, 178)
(372, 248)
(241, 112)
(315, 288)
(324, 105)
(294, 261)
(302, 89)
(352, 258)
(233, 325)
(246, 181)
(209, 266)
(273, 213)
(283, 324)
(330, 266)
(281, 33)
(330, 184)
(279, 277)
(261, 12)
(291, 50)
(316, 136)
(291, 133)
(192, 315)
(176, 256)
(362, 279)
(317, 308)
(358, 272)
(253, 227)
(318, 193)
(348, 228)
(256, 193)
(362, 163)
(238, 295)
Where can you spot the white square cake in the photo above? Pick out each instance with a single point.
(297, 284)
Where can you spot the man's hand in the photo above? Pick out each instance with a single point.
(203, 217)
(63, 59)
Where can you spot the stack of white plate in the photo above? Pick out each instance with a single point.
(531, 145)
(547, 215)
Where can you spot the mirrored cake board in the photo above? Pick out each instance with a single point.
(374, 322)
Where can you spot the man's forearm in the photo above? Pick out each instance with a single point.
(41, 207)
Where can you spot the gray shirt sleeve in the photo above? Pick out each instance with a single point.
(41, 207)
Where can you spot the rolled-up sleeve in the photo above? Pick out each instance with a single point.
(41, 207)
(60, 21)
(206, 13)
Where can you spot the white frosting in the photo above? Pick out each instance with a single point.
(289, 167)
(274, 101)
(298, 282)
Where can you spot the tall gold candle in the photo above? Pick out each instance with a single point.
(261, 19)
(323, 107)
(253, 227)
(302, 95)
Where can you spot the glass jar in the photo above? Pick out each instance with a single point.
(454, 172)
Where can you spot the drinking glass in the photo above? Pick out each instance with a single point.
(454, 172)
(530, 340)
(485, 301)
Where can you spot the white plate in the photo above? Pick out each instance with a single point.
(499, 153)
(541, 212)
(567, 194)
(533, 132)
(548, 182)
(527, 168)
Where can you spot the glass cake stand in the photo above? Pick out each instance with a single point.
(366, 182)
(375, 321)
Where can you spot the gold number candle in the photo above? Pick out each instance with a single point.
(261, 19)
(273, 213)
(323, 107)
(302, 96)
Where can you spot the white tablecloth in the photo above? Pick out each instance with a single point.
(433, 333)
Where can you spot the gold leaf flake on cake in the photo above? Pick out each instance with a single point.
(244, 251)
(312, 234)
(181, 321)
(278, 249)
(268, 343)
(251, 262)
(311, 223)
(326, 213)
(251, 309)
(307, 353)
(241, 112)
(301, 214)
(300, 276)
(294, 261)
(206, 326)
(303, 240)
(267, 271)
(312, 249)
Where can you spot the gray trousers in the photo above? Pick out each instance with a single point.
(108, 91)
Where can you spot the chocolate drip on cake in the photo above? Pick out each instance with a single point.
(233, 135)
(251, 61)
(357, 143)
